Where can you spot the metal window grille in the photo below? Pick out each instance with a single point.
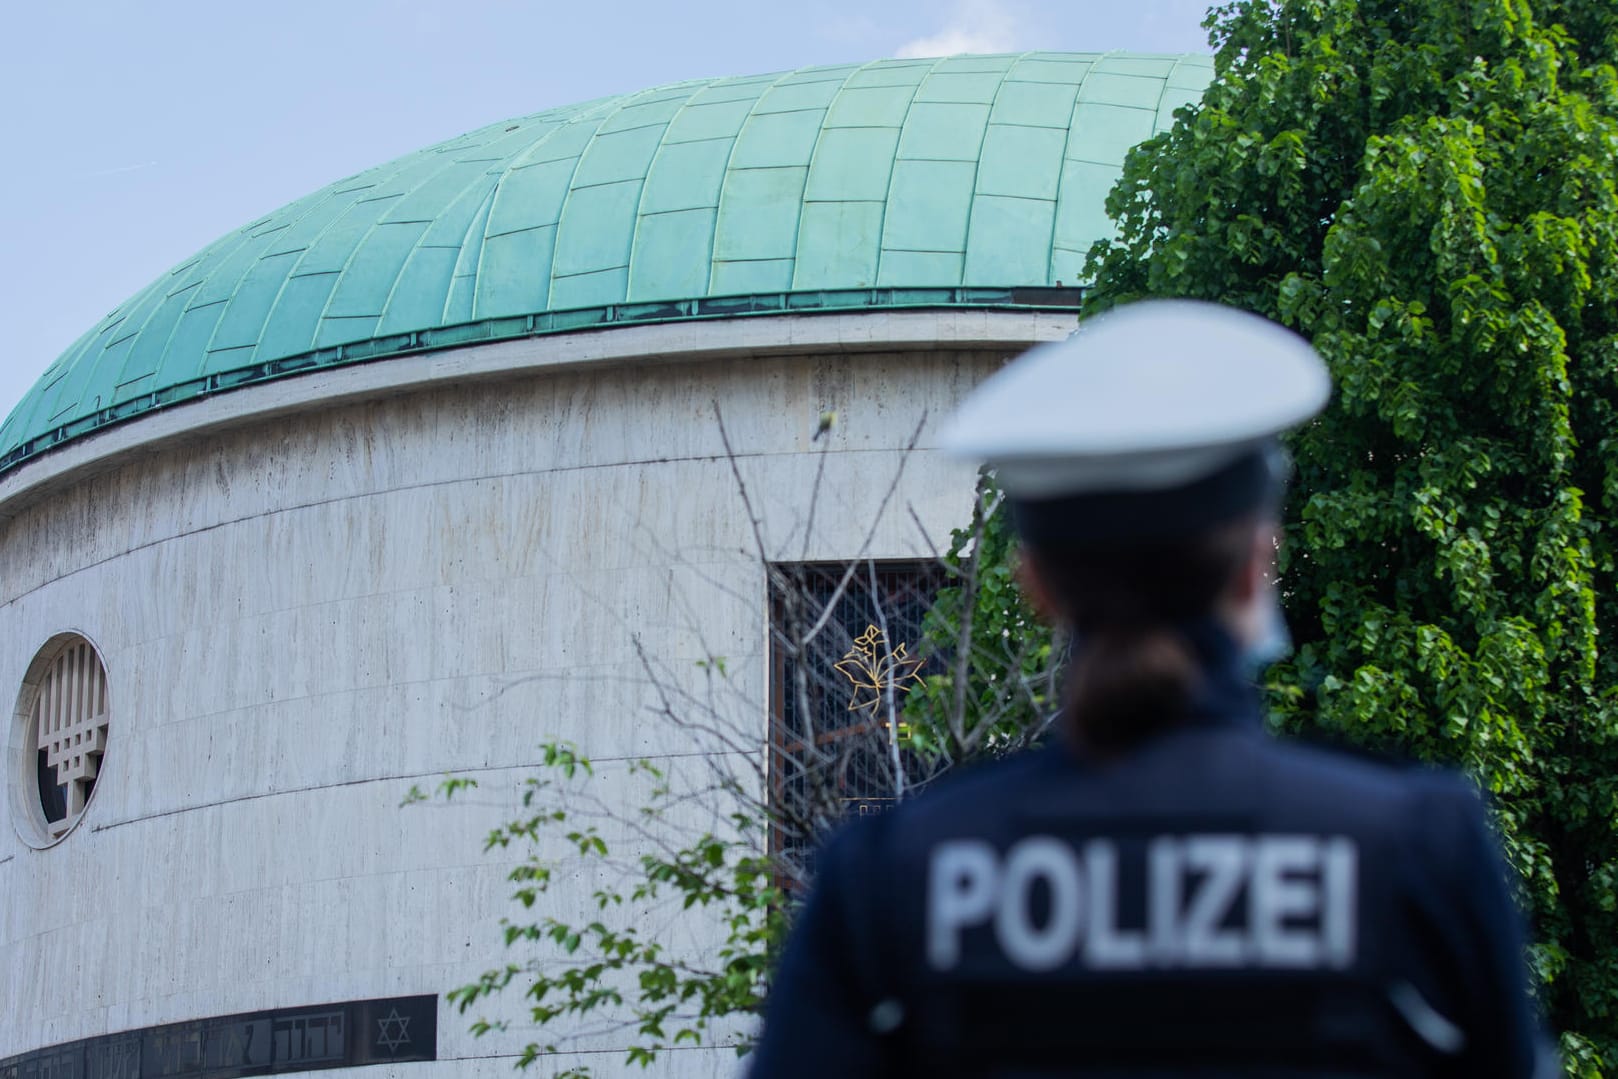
(69, 723)
(845, 649)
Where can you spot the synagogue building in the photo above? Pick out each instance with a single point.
(469, 452)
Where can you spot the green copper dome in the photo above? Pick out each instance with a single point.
(895, 183)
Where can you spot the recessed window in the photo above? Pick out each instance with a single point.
(845, 643)
(62, 718)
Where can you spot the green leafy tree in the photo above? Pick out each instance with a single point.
(1428, 190)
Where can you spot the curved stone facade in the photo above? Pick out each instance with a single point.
(310, 596)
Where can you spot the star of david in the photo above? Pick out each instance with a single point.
(393, 1030)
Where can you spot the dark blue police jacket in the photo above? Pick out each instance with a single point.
(1216, 902)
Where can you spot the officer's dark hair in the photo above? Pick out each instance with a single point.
(1134, 673)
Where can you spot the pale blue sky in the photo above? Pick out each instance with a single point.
(138, 131)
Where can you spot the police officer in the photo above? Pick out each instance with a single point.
(1164, 889)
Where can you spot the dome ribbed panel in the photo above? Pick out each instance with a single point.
(961, 172)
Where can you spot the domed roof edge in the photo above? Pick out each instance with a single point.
(841, 186)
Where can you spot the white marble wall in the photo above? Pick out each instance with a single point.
(301, 616)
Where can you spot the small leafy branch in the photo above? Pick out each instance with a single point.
(610, 971)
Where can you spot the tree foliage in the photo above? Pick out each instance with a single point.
(1428, 190)
(998, 689)
(612, 970)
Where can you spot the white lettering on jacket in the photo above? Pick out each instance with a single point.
(1236, 901)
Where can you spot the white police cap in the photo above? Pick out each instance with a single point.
(1159, 396)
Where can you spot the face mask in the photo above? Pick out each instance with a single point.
(1271, 641)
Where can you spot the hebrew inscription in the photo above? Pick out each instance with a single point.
(347, 1035)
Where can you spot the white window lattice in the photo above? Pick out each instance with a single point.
(70, 716)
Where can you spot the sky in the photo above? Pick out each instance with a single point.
(136, 132)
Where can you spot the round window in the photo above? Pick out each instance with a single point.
(60, 736)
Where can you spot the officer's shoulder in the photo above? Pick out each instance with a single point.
(1377, 782)
(972, 778)
(952, 802)
(969, 790)
(1318, 751)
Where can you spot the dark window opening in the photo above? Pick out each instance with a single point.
(52, 796)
